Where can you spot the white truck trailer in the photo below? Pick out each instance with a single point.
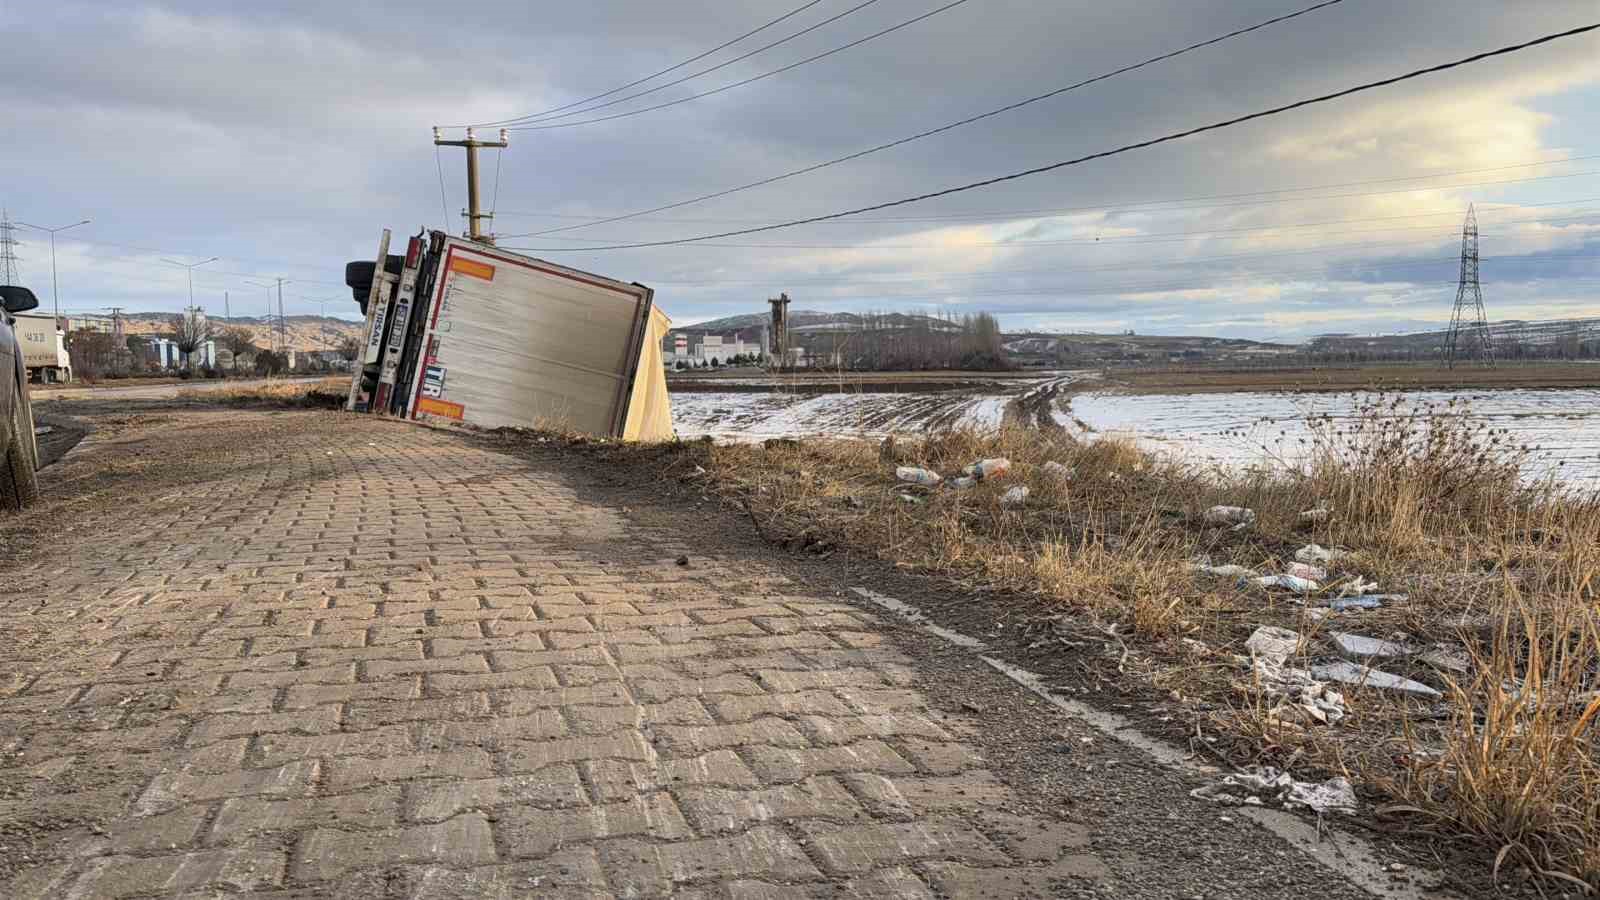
(460, 331)
(44, 349)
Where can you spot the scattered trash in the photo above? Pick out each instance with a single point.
(907, 498)
(1228, 571)
(988, 468)
(1357, 586)
(43, 429)
(1236, 516)
(1368, 602)
(914, 475)
(1272, 644)
(1307, 571)
(1312, 553)
(1015, 497)
(1346, 672)
(1360, 647)
(699, 470)
(1269, 785)
(1289, 582)
(1320, 514)
(1057, 470)
(1301, 699)
(962, 483)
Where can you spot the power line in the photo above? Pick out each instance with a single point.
(537, 126)
(953, 125)
(444, 205)
(1178, 135)
(1175, 263)
(1139, 206)
(671, 68)
(1163, 238)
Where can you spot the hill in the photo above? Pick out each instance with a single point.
(304, 333)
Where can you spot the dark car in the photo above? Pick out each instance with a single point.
(19, 455)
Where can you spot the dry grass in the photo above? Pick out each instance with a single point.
(1426, 504)
(329, 393)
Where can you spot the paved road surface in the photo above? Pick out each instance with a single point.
(155, 391)
(296, 655)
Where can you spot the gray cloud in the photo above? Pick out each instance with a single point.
(282, 137)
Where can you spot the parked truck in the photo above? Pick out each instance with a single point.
(461, 331)
(44, 349)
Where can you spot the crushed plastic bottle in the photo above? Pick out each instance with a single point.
(916, 475)
(1307, 571)
(1313, 553)
(1015, 497)
(988, 468)
(1230, 515)
(1289, 582)
(962, 483)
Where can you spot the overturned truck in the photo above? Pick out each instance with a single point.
(460, 331)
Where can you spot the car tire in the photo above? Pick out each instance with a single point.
(19, 484)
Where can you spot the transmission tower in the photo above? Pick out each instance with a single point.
(9, 272)
(1469, 336)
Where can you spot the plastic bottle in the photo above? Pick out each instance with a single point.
(917, 475)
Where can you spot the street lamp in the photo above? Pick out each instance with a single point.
(190, 267)
(55, 295)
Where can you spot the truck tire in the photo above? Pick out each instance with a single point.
(19, 484)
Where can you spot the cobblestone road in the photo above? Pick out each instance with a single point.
(453, 678)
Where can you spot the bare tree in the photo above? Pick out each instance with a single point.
(193, 330)
(349, 348)
(237, 340)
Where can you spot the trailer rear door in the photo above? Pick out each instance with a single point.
(512, 340)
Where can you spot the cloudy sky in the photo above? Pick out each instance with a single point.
(282, 136)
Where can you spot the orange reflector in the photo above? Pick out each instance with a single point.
(441, 407)
(472, 267)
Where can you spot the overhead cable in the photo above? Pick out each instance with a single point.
(672, 68)
(539, 126)
(948, 127)
(1140, 206)
(1126, 148)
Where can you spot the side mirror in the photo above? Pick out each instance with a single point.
(17, 299)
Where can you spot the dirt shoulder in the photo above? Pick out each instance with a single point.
(1341, 378)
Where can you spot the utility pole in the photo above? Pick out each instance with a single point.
(55, 293)
(283, 330)
(474, 230)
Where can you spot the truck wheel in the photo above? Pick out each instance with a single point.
(18, 482)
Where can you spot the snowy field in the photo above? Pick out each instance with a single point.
(1246, 428)
(756, 417)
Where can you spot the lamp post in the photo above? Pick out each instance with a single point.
(190, 267)
(55, 294)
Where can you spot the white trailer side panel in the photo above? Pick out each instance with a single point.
(513, 340)
(42, 344)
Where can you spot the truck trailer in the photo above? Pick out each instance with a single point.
(463, 332)
(44, 349)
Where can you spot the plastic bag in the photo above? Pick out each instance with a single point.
(916, 475)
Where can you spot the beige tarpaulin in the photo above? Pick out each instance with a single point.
(650, 409)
